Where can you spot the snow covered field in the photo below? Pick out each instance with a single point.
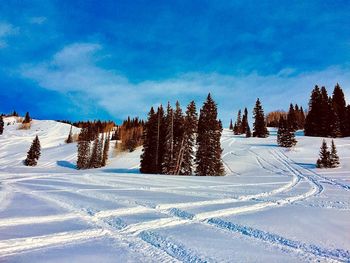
(273, 205)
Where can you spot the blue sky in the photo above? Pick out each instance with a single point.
(109, 59)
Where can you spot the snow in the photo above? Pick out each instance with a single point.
(274, 205)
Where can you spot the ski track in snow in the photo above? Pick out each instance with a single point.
(13, 246)
(140, 237)
(336, 254)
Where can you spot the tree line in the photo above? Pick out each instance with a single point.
(181, 143)
(328, 116)
(93, 149)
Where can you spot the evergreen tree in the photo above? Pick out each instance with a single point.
(33, 153)
(339, 107)
(191, 124)
(333, 122)
(259, 127)
(208, 156)
(83, 159)
(95, 157)
(70, 136)
(301, 121)
(325, 126)
(324, 160)
(27, 118)
(333, 158)
(168, 141)
(159, 139)
(292, 118)
(248, 132)
(238, 124)
(348, 120)
(244, 124)
(231, 125)
(1, 125)
(285, 134)
(105, 150)
(100, 150)
(148, 157)
(312, 118)
(178, 139)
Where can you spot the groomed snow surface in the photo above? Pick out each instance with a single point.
(273, 205)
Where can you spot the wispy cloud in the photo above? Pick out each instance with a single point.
(38, 20)
(76, 68)
(6, 30)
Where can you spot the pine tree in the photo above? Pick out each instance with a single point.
(339, 107)
(301, 118)
(248, 132)
(168, 141)
(160, 134)
(334, 158)
(259, 127)
(238, 124)
(70, 136)
(312, 119)
(285, 134)
(178, 139)
(348, 120)
(191, 124)
(148, 157)
(27, 118)
(100, 150)
(1, 125)
(105, 150)
(244, 124)
(292, 118)
(231, 125)
(324, 160)
(33, 153)
(208, 156)
(83, 159)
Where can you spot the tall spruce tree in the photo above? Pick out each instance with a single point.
(244, 124)
(348, 120)
(324, 160)
(1, 125)
(248, 132)
(33, 153)
(190, 131)
(83, 159)
(168, 141)
(238, 124)
(208, 156)
(333, 158)
(105, 150)
(312, 118)
(70, 136)
(292, 118)
(93, 163)
(149, 156)
(159, 139)
(259, 126)
(339, 107)
(178, 139)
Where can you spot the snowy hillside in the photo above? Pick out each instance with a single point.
(273, 205)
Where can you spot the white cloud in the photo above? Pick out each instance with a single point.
(38, 20)
(6, 30)
(74, 69)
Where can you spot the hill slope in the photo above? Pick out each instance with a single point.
(273, 205)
